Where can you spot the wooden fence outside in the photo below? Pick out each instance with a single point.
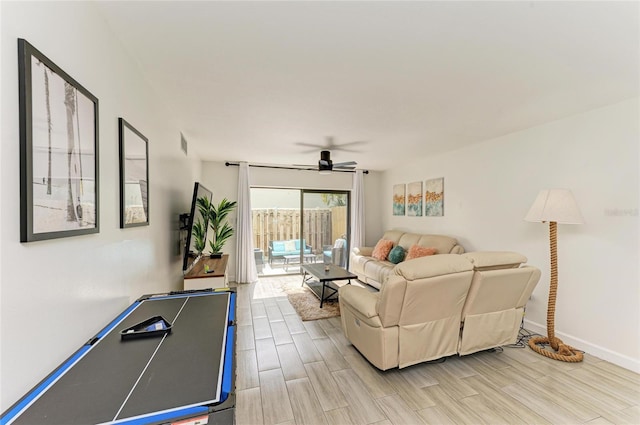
(321, 226)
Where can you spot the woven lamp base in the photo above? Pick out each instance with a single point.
(563, 352)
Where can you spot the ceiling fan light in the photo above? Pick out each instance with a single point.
(324, 172)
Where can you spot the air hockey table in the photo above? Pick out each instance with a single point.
(183, 374)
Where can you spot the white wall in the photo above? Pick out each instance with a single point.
(56, 294)
(223, 181)
(489, 188)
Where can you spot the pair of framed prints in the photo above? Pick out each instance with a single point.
(59, 167)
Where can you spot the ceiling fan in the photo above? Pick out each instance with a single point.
(326, 165)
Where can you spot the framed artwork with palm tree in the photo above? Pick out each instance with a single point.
(58, 151)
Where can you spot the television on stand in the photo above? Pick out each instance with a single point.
(196, 224)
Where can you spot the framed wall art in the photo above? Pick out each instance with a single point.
(414, 199)
(58, 151)
(434, 197)
(134, 176)
(399, 199)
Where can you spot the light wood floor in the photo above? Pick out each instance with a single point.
(294, 372)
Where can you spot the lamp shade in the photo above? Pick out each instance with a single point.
(557, 205)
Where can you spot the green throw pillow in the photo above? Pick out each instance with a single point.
(396, 255)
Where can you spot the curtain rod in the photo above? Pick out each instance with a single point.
(283, 167)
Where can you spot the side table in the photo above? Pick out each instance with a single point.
(217, 277)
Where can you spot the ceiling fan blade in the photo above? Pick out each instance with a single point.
(345, 164)
(347, 147)
(310, 145)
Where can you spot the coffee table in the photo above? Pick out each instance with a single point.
(324, 275)
(291, 260)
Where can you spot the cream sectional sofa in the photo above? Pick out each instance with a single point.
(373, 272)
(437, 306)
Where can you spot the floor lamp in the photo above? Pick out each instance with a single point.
(555, 206)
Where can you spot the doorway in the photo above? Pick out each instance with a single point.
(298, 226)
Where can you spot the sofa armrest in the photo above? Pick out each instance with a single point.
(363, 250)
(360, 299)
(458, 249)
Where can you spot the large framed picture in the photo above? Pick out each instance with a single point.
(58, 151)
(134, 176)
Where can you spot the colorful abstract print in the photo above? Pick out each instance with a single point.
(434, 198)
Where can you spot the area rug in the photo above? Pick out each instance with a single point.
(307, 305)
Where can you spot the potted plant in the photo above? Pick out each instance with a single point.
(222, 231)
(199, 231)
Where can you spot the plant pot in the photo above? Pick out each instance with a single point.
(216, 255)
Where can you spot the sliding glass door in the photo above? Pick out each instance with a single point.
(326, 224)
(294, 226)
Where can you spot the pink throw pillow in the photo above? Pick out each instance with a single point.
(417, 251)
(382, 249)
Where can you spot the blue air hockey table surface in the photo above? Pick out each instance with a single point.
(185, 376)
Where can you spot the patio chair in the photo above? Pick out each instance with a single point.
(336, 253)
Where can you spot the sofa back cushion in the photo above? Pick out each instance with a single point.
(498, 290)
(393, 235)
(278, 246)
(407, 240)
(442, 244)
(429, 313)
(434, 265)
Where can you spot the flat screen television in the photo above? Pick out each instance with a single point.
(199, 222)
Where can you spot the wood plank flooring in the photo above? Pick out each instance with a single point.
(294, 372)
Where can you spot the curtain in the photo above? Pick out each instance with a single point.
(357, 210)
(246, 271)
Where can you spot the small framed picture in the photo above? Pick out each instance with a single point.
(434, 197)
(399, 199)
(414, 199)
(134, 176)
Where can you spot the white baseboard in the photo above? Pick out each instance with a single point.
(582, 345)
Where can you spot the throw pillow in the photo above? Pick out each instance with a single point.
(290, 246)
(417, 251)
(396, 255)
(382, 249)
